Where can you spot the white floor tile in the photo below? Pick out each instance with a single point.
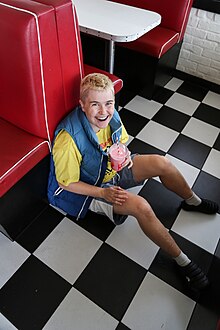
(201, 131)
(183, 103)
(189, 172)
(5, 324)
(212, 163)
(174, 84)
(158, 135)
(143, 107)
(131, 241)
(78, 312)
(212, 99)
(12, 256)
(158, 306)
(68, 249)
(201, 229)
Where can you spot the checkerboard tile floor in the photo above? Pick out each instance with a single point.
(63, 274)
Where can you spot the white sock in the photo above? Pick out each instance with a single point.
(182, 259)
(193, 200)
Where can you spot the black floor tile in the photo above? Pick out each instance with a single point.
(207, 186)
(125, 96)
(121, 326)
(208, 114)
(210, 298)
(110, 280)
(171, 118)
(190, 151)
(96, 224)
(32, 294)
(217, 143)
(162, 95)
(43, 225)
(165, 203)
(193, 91)
(140, 147)
(132, 121)
(202, 319)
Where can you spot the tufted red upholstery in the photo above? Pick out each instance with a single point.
(41, 67)
(174, 18)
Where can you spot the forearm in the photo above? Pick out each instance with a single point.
(83, 188)
(114, 194)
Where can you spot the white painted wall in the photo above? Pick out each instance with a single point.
(200, 52)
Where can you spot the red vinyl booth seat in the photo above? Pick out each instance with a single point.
(156, 42)
(24, 151)
(174, 18)
(117, 82)
(151, 59)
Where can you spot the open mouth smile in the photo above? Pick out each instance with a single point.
(102, 118)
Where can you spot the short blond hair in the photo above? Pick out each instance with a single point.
(95, 81)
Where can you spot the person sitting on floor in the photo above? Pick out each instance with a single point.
(81, 177)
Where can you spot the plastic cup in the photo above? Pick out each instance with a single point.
(118, 153)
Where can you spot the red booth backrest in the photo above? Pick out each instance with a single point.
(32, 92)
(71, 59)
(174, 13)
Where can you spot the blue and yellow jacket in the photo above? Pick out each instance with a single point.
(93, 165)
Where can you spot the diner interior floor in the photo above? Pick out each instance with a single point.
(60, 274)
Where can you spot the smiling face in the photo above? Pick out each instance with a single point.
(98, 106)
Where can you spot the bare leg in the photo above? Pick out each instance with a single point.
(139, 208)
(145, 167)
(148, 166)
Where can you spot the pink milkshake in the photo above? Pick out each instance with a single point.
(118, 155)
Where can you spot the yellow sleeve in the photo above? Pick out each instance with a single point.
(67, 159)
(124, 135)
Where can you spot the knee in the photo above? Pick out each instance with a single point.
(142, 207)
(165, 165)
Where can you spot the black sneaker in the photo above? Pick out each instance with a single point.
(195, 277)
(206, 206)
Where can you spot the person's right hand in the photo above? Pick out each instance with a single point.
(115, 195)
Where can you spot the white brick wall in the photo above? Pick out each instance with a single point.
(200, 52)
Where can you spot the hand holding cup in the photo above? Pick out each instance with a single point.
(119, 156)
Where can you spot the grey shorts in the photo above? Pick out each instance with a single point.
(125, 180)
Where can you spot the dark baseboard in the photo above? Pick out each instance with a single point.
(20, 205)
